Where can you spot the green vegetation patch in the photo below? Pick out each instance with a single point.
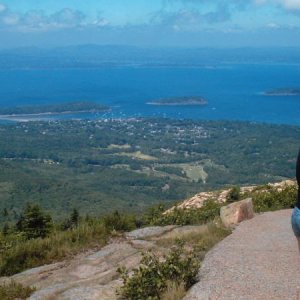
(150, 280)
(197, 216)
(32, 242)
(171, 275)
(77, 106)
(13, 290)
(41, 164)
(271, 199)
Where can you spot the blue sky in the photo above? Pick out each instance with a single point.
(185, 23)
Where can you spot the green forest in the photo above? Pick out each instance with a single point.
(54, 108)
(99, 166)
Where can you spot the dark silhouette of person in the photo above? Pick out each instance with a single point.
(296, 212)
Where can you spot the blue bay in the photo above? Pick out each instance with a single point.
(233, 92)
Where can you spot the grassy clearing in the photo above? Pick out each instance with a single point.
(192, 172)
(186, 172)
(114, 146)
(204, 237)
(138, 155)
(121, 166)
(195, 172)
(13, 290)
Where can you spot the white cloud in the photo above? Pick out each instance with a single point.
(2, 8)
(10, 19)
(38, 20)
(291, 4)
(273, 26)
(67, 17)
(178, 21)
(101, 22)
(287, 4)
(191, 19)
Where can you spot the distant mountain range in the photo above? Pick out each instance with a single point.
(95, 56)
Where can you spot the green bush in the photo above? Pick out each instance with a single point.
(206, 213)
(119, 222)
(234, 194)
(151, 279)
(153, 213)
(273, 199)
(15, 290)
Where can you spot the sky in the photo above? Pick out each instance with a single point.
(155, 23)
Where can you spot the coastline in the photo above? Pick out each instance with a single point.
(281, 94)
(49, 113)
(29, 117)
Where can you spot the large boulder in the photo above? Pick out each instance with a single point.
(237, 212)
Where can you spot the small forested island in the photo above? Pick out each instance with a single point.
(188, 100)
(69, 107)
(283, 92)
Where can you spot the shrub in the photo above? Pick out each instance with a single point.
(206, 213)
(151, 279)
(234, 194)
(153, 213)
(273, 199)
(119, 222)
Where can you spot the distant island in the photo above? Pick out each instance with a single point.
(62, 108)
(283, 92)
(179, 101)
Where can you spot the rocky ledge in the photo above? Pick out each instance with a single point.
(93, 275)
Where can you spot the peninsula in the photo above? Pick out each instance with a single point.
(61, 108)
(179, 101)
(283, 92)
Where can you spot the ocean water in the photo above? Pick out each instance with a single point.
(233, 92)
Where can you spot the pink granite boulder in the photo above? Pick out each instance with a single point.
(237, 212)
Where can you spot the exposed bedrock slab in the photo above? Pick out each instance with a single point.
(148, 232)
(93, 275)
(258, 261)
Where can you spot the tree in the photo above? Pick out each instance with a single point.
(5, 229)
(34, 222)
(5, 212)
(74, 217)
